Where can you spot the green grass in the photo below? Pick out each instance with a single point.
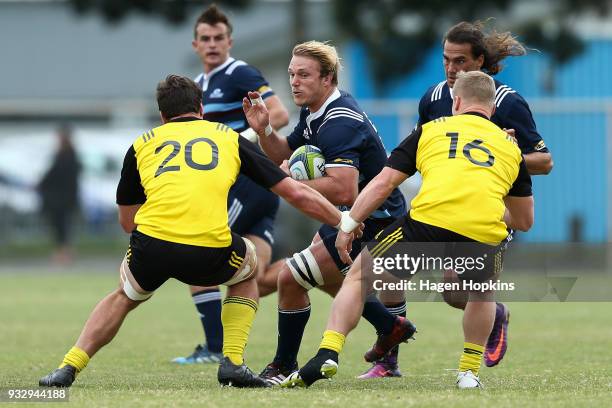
(560, 353)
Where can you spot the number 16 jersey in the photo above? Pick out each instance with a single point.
(468, 165)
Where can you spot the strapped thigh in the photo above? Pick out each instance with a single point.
(126, 283)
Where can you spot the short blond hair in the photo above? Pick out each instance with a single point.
(475, 86)
(325, 54)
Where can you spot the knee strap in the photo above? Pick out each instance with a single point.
(305, 270)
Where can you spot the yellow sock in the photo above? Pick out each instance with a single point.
(471, 357)
(76, 358)
(332, 340)
(236, 316)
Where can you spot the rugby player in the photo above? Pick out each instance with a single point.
(252, 209)
(333, 121)
(470, 47)
(482, 166)
(172, 198)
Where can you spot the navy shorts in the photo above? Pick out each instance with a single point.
(252, 209)
(372, 227)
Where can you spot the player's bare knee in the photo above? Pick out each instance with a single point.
(286, 281)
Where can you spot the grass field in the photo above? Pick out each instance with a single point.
(560, 354)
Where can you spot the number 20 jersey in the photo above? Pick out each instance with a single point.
(182, 172)
(468, 166)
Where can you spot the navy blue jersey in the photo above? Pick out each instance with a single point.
(225, 86)
(346, 137)
(511, 112)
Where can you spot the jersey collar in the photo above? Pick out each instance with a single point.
(315, 115)
(476, 114)
(206, 77)
(184, 119)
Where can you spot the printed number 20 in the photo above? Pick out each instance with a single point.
(467, 150)
(176, 148)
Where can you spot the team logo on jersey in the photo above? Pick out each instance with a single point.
(216, 93)
(306, 134)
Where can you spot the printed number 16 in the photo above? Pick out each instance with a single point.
(467, 150)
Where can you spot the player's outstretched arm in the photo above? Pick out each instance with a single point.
(376, 192)
(371, 197)
(538, 162)
(256, 112)
(307, 200)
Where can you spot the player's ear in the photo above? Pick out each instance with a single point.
(162, 117)
(480, 60)
(327, 79)
(456, 103)
(194, 45)
(201, 111)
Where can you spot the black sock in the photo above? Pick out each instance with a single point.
(291, 325)
(377, 314)
(311, 372)
(208, 303)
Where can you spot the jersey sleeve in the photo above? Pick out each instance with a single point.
(130, 190)
(423, 105)
(522, 185)
(248, 78)
(403, 157)
(340, 144)
(257, 166)
(518, 116)
(296, 138)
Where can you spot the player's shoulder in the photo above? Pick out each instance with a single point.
(437, 122)
(344, 110)
(434, 93)
(144, 138)
(506, 97)
(239, 68)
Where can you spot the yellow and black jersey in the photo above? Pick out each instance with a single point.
(468, 165)
(182, 172)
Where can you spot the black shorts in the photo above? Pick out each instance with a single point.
(372, 227)
(438, 247)
(153, 261)
(252, 209)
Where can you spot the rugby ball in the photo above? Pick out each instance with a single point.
(307, 163)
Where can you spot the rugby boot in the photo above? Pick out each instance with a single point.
(467, 380)
(275, 374)
(60, 377)
(403, 329)
(201, 354)
(323, 365)
(240, 376)
(497, 343)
